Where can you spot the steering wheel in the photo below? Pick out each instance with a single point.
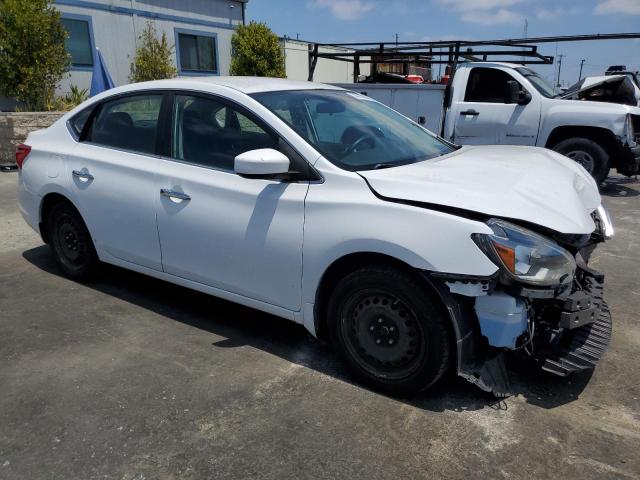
(358, 141)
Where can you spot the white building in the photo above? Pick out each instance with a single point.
(296, 57)
(200, 29)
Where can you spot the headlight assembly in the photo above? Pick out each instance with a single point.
(605, 221)
(526, 256)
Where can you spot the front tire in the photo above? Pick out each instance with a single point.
(389, 332)
(587, 153)
(71, 243)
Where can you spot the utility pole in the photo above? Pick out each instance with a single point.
(581, 64)
(526, 32)
(397, 36)
(560, 57)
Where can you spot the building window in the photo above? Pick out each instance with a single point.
(197, 53)
(78, 42)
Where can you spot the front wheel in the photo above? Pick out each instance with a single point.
(587, 153)
(71, 243)
(389, 332)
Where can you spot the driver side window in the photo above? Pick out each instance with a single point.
(488, 85)
(210, 133)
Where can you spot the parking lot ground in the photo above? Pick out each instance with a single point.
(133, 378)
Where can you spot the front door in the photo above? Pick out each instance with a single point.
(238, 234)
(112, 175)
(485, 117)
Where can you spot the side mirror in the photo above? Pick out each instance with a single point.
(261, 163)
(517, 94)
(524, 97)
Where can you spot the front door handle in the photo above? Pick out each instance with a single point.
(82, 175)
(166, 192)
(473, 113)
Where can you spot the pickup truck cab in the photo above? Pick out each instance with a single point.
(490, 103)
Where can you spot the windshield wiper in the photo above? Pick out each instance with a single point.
(380, 166)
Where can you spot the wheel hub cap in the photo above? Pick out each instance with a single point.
(583, 158)
(69, 241)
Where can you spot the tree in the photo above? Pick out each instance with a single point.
(152, 60)
(256, 51)
(33, 57)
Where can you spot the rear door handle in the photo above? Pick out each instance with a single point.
(166, 192)
(82, 175)
(472, 113)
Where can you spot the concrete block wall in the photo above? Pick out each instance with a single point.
(15, 126)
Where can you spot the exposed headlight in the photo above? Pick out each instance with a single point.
(629, 132)
(605, 221)
(526, 256)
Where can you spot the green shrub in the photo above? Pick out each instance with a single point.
(33, 57)
(256, 51)
(66, 102)
(153, 56)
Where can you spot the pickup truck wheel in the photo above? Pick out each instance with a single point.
(587, 153)
(388, 331)
(71, 243)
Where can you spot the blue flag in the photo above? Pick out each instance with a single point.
(101, 80)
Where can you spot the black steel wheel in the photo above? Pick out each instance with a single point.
(71, 243)
(388, 330)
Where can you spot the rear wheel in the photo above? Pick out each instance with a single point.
(71, 243)
(587, 153)
(390, 333)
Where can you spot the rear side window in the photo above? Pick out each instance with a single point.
(487, 85)
(210, 133)
(128, 123)
(79, 120)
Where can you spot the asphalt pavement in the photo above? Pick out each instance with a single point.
(134, 378)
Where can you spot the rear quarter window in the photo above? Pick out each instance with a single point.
(79, 120)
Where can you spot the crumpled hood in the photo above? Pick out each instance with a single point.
(532, 184)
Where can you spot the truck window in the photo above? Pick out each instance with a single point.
(487, 85)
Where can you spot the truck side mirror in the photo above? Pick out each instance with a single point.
(516, 94)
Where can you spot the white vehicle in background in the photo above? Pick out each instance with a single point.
(490, 103)
(607, 88)
(411, 254)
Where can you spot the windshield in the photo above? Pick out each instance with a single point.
(537, 81)
(351, 130)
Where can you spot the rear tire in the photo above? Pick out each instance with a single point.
(71, 243)
(587, 153)
(389, 332)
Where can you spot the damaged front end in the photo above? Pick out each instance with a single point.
(545, 303)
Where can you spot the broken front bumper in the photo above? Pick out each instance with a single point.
(564, 332)
(586, 331)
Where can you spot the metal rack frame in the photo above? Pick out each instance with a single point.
(523, 51)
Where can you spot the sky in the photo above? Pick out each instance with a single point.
(335, 21)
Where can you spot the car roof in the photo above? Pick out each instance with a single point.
(246, 85)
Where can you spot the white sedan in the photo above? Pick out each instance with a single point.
(320, 205)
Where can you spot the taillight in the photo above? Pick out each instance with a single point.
(22, 151)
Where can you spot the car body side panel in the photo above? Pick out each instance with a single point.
(343, 216)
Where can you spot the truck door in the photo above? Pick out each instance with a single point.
(485, 117)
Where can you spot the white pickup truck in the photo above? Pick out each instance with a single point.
(499, 103)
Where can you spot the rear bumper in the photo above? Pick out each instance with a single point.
(29, 205)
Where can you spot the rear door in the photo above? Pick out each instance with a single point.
(113, 178)
(241, 235)
(484, 117)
